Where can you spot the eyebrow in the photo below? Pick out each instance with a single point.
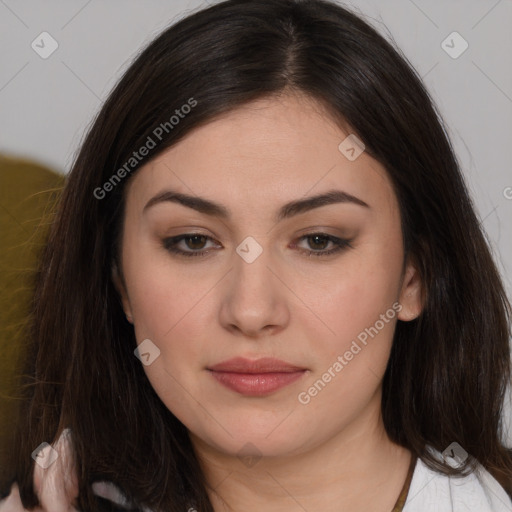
(288, 210)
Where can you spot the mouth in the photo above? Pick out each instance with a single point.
(255, 378)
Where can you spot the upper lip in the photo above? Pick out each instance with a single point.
(263, 365)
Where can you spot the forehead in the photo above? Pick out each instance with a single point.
(266, 151)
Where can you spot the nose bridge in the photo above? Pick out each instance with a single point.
(253, 300)
(251, 273)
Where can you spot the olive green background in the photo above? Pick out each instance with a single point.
(28, 196)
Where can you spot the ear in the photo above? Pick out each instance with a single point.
(120, 286)
(411, 293)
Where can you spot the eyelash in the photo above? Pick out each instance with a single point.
(340, 244)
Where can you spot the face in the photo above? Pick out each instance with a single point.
(318, 285)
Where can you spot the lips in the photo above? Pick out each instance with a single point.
(256, 378)
(264, 365)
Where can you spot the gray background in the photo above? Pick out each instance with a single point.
(47, 104)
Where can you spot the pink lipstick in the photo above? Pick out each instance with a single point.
(256, 378)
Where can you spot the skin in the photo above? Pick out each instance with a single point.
(332, 453)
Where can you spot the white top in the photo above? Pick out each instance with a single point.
(433, 492)
(429, 491)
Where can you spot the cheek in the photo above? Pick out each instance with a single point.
(167, 309)
(160, 295)
(359, 308)
(348, 365)
(163, 304)
(360, 325)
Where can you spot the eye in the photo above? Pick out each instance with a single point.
(319, 242)
(194, 241)
(195, 244)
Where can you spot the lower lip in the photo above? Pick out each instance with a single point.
(256, 384)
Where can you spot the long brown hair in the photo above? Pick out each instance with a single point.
(448, 370)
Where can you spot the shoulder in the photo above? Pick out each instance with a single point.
(430, 490)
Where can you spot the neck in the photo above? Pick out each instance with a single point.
(356, 470)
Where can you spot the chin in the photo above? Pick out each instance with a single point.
(248, 442)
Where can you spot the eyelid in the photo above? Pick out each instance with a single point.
(340, 244)
(179, 238)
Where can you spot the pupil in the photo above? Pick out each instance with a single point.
(319, 237)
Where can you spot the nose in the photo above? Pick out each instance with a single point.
(254, 301)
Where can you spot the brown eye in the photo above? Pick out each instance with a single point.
(198, 241)
(318, 242)
(188, 244)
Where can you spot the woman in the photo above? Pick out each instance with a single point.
(266, 288)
